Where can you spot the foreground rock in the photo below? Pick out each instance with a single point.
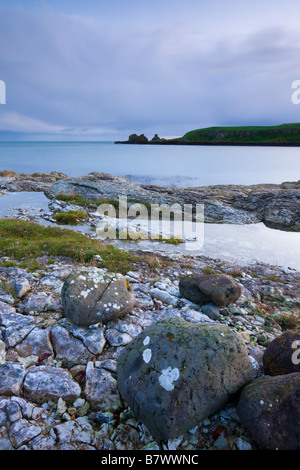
(175, 374)
(95, 295)
(275, 205)
(36, 336)
(282, 355)
(270, 408)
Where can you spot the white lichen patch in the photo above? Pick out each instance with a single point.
(85, 293)
(168, 377)
(147, 354)
(146, 340)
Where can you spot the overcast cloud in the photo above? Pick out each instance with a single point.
(86, 70)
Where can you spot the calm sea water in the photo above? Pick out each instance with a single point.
(164, 165)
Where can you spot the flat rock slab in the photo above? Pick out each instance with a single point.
(43, 383)
(176, 373)
(11, 378)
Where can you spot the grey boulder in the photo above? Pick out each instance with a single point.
(93, 296)
(176, 373)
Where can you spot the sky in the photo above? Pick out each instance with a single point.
(102, 70)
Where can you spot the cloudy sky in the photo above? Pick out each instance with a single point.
(101, 70)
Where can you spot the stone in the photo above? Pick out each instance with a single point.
(13, 411)
(164, 296)
(40, 302)
(94, 296)
(21, 287)
(37, 343)
(11, 378)
(194, 316)
(281, 356)
(241, 444)
(176, 373)
(44, 383)
(61, 407)
(211, 310)
(117, 338)
(270, 408)
(101, 389)
(74, 432)
(21, 432)
(219, 289)
(68, 348)
(189, 288)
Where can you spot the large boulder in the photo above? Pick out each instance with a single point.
(270, 408)
(91, 296)
(220, 289)
(280, 356)
(176, 373)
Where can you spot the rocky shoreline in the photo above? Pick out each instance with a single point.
(59, 381)
(276, 205)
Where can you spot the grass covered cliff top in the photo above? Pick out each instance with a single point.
(283, 134)
(252, 134)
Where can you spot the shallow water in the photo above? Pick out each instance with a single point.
(235, 243)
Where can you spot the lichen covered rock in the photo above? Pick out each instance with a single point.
(176, 373)
(270, 408)
(95, 295)
(281, 357)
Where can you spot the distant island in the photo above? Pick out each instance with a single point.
(281, 135)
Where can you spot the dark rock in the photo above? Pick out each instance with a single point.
(270, 408)
(280, 357)
(220, 289)
(175, 373)
(189, 288)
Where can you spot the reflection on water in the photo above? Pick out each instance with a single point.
(237, 243)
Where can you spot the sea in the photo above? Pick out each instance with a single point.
(170, 165)
(176, 166)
